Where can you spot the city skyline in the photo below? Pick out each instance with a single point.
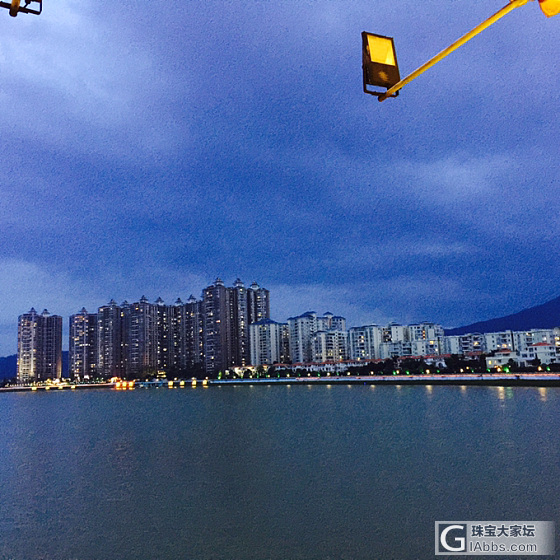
(169, 146)
(229, 329)
(257, 313)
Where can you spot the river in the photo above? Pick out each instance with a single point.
(312, 472)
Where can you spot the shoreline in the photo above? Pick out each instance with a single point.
(488, 379)
(504, 380)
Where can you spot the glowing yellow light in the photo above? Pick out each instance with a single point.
(550, 7)
(381, 49)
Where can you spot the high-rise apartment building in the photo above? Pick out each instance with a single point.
(227, 313)
(270, 342)
(144, 339)
(39, 347)
(140, 336)
(304, 327)
(238, 324)
(52, 346)
(364, 342)
(189, 335)
(136, 340)
(111, 347)
(82, 354)
(166, 340)
(28, 341)
(258, 303)
(330, 346)
(330, 322)
(216, 328)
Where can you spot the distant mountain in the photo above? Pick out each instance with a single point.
(545, 316)
(8, 366)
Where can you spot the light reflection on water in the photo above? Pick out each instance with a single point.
(328, 472)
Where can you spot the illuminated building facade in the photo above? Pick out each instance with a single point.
(330, 346)
(111, 347)
(258, 303)
(364, 342)
(303, 328)
(189, 335)
(228, 313)
(270, 342)
(39, 347)
(82, 355)
(238, 324)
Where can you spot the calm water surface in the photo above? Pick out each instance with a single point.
(279, 472)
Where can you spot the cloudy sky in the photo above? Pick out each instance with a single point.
(149, 147)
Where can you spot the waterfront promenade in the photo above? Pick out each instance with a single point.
(500, 379)
(491, 379)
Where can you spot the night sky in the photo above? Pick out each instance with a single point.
(150, 147)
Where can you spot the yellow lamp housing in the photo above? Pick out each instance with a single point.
(550, 7)
(379, 63)
(14, 7)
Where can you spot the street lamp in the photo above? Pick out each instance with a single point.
(15, 7)
(379, 62)
(372, 73)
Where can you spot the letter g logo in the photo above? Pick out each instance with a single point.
(455, 542)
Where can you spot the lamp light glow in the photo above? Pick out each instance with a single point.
(550, 7)
(380, 49)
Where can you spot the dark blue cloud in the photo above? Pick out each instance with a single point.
(149, 150)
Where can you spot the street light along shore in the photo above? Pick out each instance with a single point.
(379, 58)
